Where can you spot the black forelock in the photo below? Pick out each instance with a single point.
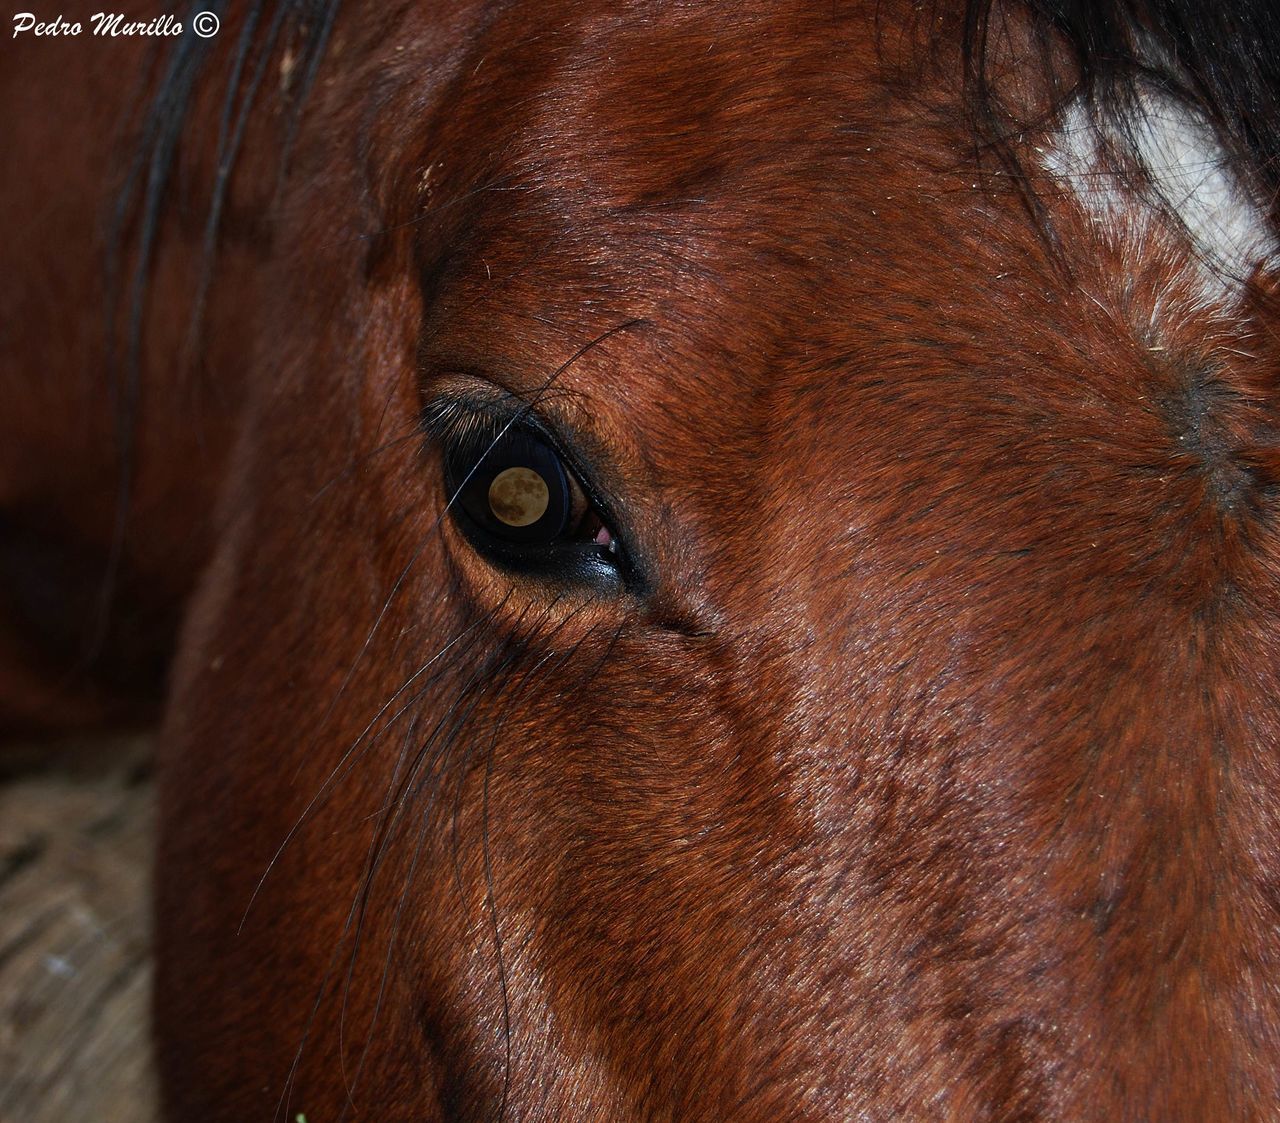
(1220, 59)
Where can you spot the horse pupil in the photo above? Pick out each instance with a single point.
(519, 496)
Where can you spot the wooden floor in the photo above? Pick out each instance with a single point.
(75, 843)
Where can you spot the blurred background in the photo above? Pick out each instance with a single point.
(75, 841)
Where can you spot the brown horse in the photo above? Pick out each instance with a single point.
(721, 562)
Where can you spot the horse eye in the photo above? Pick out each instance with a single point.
(518, 504)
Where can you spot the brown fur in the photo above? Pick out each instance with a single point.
(930, 775)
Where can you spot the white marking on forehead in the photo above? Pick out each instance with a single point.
(1189, 175)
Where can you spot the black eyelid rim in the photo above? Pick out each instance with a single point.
(445, 413)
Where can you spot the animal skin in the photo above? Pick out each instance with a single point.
(894, 731)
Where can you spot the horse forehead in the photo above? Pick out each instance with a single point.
(634, 103)
(775, 198)
(767, 251)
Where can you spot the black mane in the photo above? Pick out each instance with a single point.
(1221, 59)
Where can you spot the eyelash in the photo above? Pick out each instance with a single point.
(463, 419)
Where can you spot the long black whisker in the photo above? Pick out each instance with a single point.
(550, 661)
(443, 733)
(337, 772)
(324, 988)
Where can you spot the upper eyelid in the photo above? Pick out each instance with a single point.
(453, 414)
